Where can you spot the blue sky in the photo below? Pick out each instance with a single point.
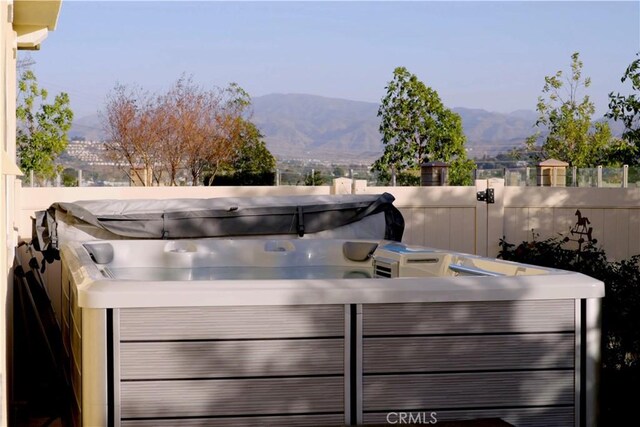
(490, 55)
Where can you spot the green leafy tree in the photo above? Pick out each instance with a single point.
(42, 133)
(253, 163)
(416, 127)
(338, 172)
(253, 155)
(405, 178)
(69, 177)
(627, 108)
(571, 136)
(618, 152)
(315, 178)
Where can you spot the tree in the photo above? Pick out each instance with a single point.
(338, 172)
(232, 129)
(188, 127)
(130, 120)
(69, 177)
(188, 111)
(42, 133)
(315, 178)
(619, 152)
(253, 160)
(571, 136)
(253, 163)
(416, 127)
(627, 108)
(209, 126)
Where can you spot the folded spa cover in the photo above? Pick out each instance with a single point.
(348, 217)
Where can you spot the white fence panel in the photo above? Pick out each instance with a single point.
(440, 217)
(613, 214)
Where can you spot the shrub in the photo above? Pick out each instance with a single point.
(620, 314)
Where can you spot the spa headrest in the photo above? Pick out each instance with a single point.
(358, 251)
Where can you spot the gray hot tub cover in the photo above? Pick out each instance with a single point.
(219, 217)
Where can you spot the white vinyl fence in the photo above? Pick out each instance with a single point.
(441, 217)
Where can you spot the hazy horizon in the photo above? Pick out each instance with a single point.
(481, 55)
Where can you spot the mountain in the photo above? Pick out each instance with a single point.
(313, 126)
(88, 127)
(340, 130)
(492, 133)
(298, 125)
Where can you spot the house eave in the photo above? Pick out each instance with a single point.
(30, 36)
(32, 21)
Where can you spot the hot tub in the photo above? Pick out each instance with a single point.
(322, 332)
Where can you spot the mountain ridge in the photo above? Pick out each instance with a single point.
(316, 127)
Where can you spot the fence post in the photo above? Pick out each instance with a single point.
(358, 186)
(79, 177)
(489, 218)
(574, 176)
(481, 220)
(527, 176)
(625, 176)
(599, 184)
(495, 217)
(277, 177)
(341, 186)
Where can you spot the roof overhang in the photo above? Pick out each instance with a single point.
(33, 19)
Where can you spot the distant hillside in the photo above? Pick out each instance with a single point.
(307, 125)
(88, 127)
(315, 127)
(492, 133)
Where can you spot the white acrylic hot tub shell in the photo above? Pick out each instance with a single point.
(97, 294)
(97, 291)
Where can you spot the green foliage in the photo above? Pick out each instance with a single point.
(253, 163)
(405, 178)
(627, 108)
(253, 155)
(552, 253)
(620, 317)
(42, 127)
(69, 178)
(461, 171)
(416, 127)
(315, 177)
(338, 172)
(571, 135)
(619, 152)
